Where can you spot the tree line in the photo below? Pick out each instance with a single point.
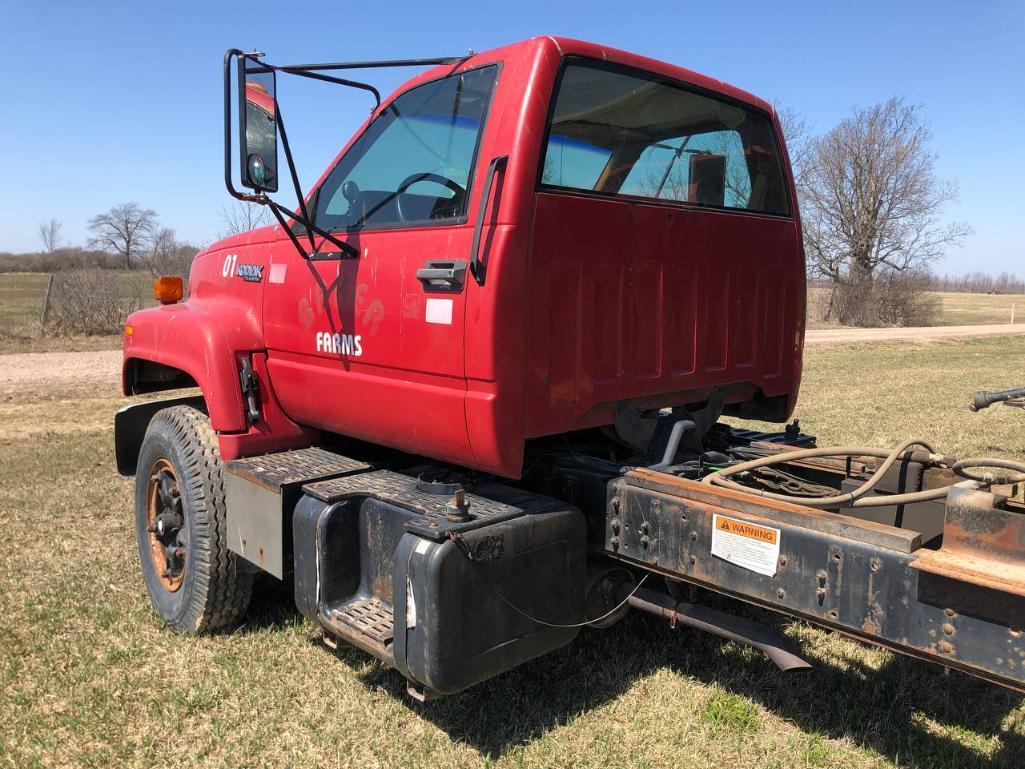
(978, 283)
(92, 290)
(126, 236)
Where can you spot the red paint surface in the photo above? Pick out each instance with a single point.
(588, 302)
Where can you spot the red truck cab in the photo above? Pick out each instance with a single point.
(638, 247)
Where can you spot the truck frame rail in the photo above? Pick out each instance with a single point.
(961, 605)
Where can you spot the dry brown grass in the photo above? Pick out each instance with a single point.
(88, 677)
(980, 309)
(956, 309)
(21, 299)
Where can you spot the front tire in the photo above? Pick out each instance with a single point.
(194, 582)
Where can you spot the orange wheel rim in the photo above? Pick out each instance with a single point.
(165, 525)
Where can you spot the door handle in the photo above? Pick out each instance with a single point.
(477, 266)
(442, 274)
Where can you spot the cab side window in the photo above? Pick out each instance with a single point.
(414, 163)
(618, 132)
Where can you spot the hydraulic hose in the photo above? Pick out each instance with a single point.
(984, 399)
(1017, 471)
(857, 497)
(849, 499)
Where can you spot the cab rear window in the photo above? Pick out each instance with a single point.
(619, 132)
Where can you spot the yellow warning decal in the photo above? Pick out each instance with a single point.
(748, 545)
(749, 530)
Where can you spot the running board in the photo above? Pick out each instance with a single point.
(962, 606)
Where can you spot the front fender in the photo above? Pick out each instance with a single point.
(202, 342)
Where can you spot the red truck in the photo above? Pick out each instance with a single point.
(466, 394)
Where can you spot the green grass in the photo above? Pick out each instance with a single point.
(879, 394)
(89, 677)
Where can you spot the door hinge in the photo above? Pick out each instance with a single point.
(250, 389)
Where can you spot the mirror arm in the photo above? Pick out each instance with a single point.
(336, 80)
(295, 176)
(287, 229)
(348, 251)
(312, 71)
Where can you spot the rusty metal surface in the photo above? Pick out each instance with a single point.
(961, 606)
(488, 503)
(980, 568)
(272, 471)
(170, 578)
(777, 648)
(845, 526)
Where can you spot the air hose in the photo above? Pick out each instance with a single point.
(856, 498)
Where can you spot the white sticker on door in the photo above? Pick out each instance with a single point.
(746, 544)
(439, 311)
(277, 272)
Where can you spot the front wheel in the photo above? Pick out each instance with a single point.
(194, 582)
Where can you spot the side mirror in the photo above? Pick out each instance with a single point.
(257, 125)
(707, 184)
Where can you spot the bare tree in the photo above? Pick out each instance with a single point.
(126, 230)
(166, 255)
(50, 234)
(870, 200)
(242, 217)
(797, 136)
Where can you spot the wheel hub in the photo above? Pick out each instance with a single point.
(165, 523)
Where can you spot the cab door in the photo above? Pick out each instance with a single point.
(372, 346)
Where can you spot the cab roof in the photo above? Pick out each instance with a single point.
(563, 46)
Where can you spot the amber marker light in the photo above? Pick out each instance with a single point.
(168, 289)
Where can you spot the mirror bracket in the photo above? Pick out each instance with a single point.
(302, 217)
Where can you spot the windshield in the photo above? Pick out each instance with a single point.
(624, 133)
(414, 162)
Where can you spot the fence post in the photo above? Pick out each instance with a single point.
(46, 303)
(1012, 313)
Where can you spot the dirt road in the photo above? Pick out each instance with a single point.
(21, 370)
(51, 368)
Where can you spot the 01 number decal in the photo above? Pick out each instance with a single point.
(229, 265)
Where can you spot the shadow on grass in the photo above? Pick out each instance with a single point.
(888, 710)
(272, 605)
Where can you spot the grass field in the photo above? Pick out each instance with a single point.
(955, 309)
(88, 677)
(21, 298)
(980, 309)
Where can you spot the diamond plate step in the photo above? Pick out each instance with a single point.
(369, 616)
(286, 468)
(431, 520)
(403, 491)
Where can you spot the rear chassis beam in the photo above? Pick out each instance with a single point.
(961, 605)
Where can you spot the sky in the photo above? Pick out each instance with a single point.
(112, 102)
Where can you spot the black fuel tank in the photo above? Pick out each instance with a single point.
(448, 603)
